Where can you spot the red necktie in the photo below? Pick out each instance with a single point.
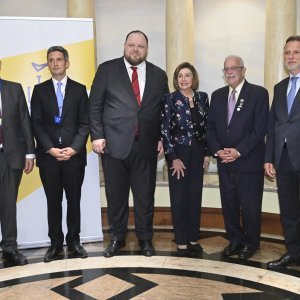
(135, 85)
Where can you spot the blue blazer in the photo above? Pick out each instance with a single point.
(283, 126)
(177, 125)
(246, 130)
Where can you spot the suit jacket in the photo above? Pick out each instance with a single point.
(246, 130)
(74, 127)
(17, 134)
(177, 124)
(114, 111)
(283, 126)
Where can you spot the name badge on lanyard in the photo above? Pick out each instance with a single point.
(57, 119)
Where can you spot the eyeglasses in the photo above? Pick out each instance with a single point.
(225, 70)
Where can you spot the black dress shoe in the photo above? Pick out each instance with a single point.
(246, 252)
(113, 248)
(231, 249)
(52, 253)
(183, 252)
(195, 248)
(78, 251)
(15, 257)
(147, 248)
(284, 261)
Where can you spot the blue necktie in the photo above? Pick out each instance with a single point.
(292, 93)
(60, 97)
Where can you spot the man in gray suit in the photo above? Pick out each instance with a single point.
(16, 155)
(282, 152)
(125, 106)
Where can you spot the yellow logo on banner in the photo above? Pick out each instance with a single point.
(31, 68)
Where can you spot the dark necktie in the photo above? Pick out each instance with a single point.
(231, 105)
(135, 85)
(292, 93)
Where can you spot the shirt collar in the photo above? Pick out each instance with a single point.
(238, 88)
(297, 75)
(63, 81)
(141, 66)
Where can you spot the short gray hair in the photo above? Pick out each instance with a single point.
(241, 62)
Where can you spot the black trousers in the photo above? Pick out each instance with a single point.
(288, 183)
(186, 193)
(9, 184)
(241, 198)
(135, 173)
(56, 179)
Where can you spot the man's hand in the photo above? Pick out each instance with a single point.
(269, 170)
(228, 155)
(29, 164)
(206, 162)
(68, 152)
(160, 149)
(99, 145)
(178, 168)
(57, 153)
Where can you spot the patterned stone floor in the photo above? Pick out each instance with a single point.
(164, 276)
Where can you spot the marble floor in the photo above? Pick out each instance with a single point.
(164, 276)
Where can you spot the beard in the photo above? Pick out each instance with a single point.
(134, 61)
(292, 67)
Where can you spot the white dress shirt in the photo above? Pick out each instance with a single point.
(297, 84)
(141, 71)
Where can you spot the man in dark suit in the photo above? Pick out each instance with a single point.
(59, 111)
(282, 152)
(16, 154)
(124, 109)
(237, 125)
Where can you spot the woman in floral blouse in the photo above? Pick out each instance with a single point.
(184, 117)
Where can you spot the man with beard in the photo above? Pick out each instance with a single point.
(282, 152)
(236, 129)
(124, 110)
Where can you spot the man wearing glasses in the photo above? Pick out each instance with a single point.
(237, 125)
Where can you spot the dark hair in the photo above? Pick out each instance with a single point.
(60, 49)
(137, 31)
(195, 83)
(293, 38)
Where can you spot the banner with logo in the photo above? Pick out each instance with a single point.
(24, 44)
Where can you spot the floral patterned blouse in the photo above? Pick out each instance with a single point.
(177, 123)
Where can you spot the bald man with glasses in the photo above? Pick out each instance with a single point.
(236, 129)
